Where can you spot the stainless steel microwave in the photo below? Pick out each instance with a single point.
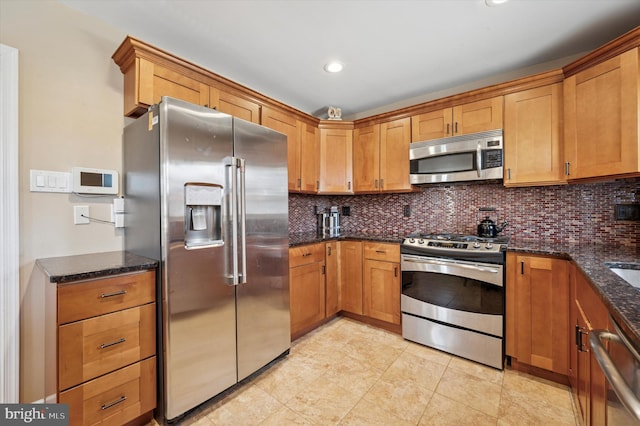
(477, 156)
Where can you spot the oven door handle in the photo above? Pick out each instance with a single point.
(453, 263)
(611, 372)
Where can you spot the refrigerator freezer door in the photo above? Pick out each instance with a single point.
(199, 307)
(263, 322)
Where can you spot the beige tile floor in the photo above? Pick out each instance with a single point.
(348, 373)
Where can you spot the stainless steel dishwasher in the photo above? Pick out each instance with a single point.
(621, 367)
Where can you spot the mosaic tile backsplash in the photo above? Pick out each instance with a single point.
(568, 213)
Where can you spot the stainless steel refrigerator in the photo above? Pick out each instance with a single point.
(206, 196)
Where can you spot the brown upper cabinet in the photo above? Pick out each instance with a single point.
(381, 157)
(532, 137)
(601, 118)
(287, 125)
(234, 105)
(336, 158)
(302, 149)
(458, 120)
(145, 83)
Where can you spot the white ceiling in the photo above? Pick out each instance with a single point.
(396, 52)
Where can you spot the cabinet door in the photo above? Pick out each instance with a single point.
(239, 107)
(477, 116)
(153, 81)
(395, 138)
(366, 159)
(332, 278)
(532, 136)
(307, 294)
(592, 315)
(432, 125)
(583, 368)
(336, 161)
(540, 290)
(309, 161)
(601, 118)
(381, 290)
(287, 125)
(351, 276)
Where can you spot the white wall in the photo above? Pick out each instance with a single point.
(71, 114)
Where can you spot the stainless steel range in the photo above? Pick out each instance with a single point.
(453, 294)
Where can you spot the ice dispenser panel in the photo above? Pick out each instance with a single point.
(203, 215)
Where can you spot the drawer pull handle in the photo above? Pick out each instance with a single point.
(117, 293)
(116, 342)
(306, 254)
(116, 402)
(380, 251)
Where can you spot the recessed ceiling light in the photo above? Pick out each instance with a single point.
(333, 67)
(495, 2)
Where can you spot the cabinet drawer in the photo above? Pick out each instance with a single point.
(382, 251)
(303, 255)
(95, 346)
(116, 398)
(91, 298)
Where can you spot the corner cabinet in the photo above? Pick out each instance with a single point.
(601, 118)
(351, 276)
(537, 305)
(472, 117)
(336, 157)
(381, 157)
(533, 137)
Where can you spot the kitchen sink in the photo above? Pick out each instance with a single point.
(632, 276)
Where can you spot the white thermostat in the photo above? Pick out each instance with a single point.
(94, 181)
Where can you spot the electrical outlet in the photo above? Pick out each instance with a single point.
(346, 211)
(627, 212)
(81, 215)
(407, 211)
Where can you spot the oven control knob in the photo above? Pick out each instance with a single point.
(476, 245)
(489, 246)
(411, 240)
(421, 241)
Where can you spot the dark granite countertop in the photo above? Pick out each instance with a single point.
(299, 239)
(95, 265)
(621, 298)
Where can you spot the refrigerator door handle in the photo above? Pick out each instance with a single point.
(242, 220)
(236, 258)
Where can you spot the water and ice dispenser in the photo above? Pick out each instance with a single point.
(202, 215)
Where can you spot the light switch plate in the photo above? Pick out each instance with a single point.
(49, 181)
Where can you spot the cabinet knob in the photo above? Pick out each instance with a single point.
(447, 128)
(566, 168)
(381, 183)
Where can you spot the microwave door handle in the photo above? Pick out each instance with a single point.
(479, 159)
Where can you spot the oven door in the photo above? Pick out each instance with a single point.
(459, 293)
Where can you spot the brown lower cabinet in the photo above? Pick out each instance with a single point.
(356, 278)
(537, 314)
(306, 287)
(381, 281)
(588, 382)
(104, 343)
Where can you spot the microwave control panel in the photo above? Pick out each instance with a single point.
(491, 158)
